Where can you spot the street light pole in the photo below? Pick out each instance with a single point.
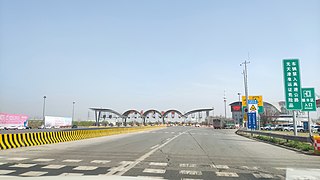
(225, 104)
(73, 110)
(245, 76)
(44, 107)
(239, 117)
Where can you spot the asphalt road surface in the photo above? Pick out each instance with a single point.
(168, 153)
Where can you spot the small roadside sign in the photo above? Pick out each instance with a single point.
(308, 99)
(253, 108)
(252, 120)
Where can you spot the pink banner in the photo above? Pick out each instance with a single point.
(12, 119)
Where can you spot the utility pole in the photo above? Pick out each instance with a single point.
(225, 104)
(73, 110)
(44, 108)
(245, 77)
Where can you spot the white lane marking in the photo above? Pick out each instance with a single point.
(143, 157)
(72, 160)
(120, 168)
(100, 161)
(188, 165)
(227, 174)
(222, 167)
(43, 160)
(168, 139)
(126, 162)
(262, 175)
(157, 171)
(3, 172)
(157, 164)
(149, 177)
(71, 174)
(53, 166)
(154, 146)
(2, 163)
(199, 173)
(249, 168)
(190, 179)
(85, 168)
(33, 173)
(166, 132)
(17, 159)
(23, 165)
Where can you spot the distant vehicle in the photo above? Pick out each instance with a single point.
(218, 123)
(11, 128)
(2, 128)
(315, 128)
(74, 126)
(283, 127)
(21, 127)
(268, 127)
(299, 128)
(197, 125)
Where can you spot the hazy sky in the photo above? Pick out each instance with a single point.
(123, 54)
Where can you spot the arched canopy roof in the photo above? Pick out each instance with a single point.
(106, 110)
(172, 110)
(130, 111)
(198, 110)
(150, 111)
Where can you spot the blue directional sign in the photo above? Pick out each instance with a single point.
(252, 120)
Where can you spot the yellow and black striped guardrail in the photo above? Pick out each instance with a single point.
(8, 141)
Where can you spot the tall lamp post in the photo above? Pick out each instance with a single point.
(44, 107)
(73, 110)
(245, 78)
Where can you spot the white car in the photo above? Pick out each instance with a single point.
(12, 128)
(315, 128)
(21, 127)
(2, 128)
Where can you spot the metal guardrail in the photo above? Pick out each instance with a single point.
(281, 136)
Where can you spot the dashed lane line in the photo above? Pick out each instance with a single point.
(156, 171)
(53, 166)
(33, 173)
(157, 164)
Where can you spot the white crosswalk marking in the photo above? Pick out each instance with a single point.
(2, 163)
(221, 166)
(157, 164)
(23, 165)
(188, 165)
(72, 160)
(53, 166)
(85, 168)
(249, 168)
(4, 172)
(157, 171)
(190, 172)
(149, 177)
(190, 179)
(43, 160)
(227, 174)
(17, 159)
(100, 161)
(262, 175)
(33, 173)
(71, 174)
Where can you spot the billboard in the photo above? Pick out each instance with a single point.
(7, 120)
(52, 121)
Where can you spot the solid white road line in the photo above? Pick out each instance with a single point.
(72, 160)
(227, 174)
(149, 177)
(100, 161)
(199, 173)
(157, 171)
(85, 168)
(157, 164)
(33, 173)
(154, 146)
(53, 166)
(4, 172)
(23, 165)
(143, 157)
(43, 160)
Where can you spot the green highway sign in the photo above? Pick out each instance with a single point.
(308, 99)
(292, 84)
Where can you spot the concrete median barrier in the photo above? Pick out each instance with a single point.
(9, 141)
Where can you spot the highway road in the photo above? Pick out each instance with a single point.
(168, 153)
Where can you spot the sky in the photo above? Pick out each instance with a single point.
(141, 54)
